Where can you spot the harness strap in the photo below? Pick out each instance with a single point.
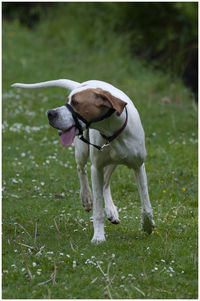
(88, 142)
(77, 116)
(118, 132)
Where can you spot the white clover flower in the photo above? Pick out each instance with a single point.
(100, 262)
(34, 264)
(74, 263)
(15, 196)
(13, 265)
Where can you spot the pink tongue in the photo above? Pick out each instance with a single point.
(67, 137)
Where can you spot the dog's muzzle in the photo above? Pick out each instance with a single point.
(76, 118)
(52, 114)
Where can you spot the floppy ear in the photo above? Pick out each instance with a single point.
(111, 101)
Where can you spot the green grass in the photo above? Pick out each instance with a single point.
(47, 251)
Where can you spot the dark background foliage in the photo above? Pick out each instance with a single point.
(165, 34)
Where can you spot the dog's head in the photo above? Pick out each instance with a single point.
(90, 104)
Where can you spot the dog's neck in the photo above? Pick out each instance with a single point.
(110, 125)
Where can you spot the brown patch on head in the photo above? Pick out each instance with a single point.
(116, 102)
(87, 104)
(90, 103)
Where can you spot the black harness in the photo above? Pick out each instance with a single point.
(78, 117)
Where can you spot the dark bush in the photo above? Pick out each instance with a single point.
(164, 33)
(28, 13)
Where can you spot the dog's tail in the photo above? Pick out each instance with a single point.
(63, 83)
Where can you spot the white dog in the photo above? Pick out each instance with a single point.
(110, 130)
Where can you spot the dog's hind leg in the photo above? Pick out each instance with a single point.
(111, 210)
(147, 215)
(81, 155)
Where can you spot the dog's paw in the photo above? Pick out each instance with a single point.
(147, 222)
(112, 215)
(86, 198)
(97, 239)
(114, 220)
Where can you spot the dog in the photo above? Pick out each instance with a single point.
(104, 124)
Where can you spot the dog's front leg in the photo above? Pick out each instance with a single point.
(81, 155)
(98, 212)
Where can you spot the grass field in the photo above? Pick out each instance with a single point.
(47, 251)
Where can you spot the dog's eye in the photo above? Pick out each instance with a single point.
(74, 102)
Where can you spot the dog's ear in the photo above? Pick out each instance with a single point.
(110, 101)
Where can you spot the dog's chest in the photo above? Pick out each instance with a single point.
(124, 154)
(118, 155)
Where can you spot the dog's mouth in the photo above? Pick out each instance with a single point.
(67, 136)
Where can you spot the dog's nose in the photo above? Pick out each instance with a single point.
(52, 114)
